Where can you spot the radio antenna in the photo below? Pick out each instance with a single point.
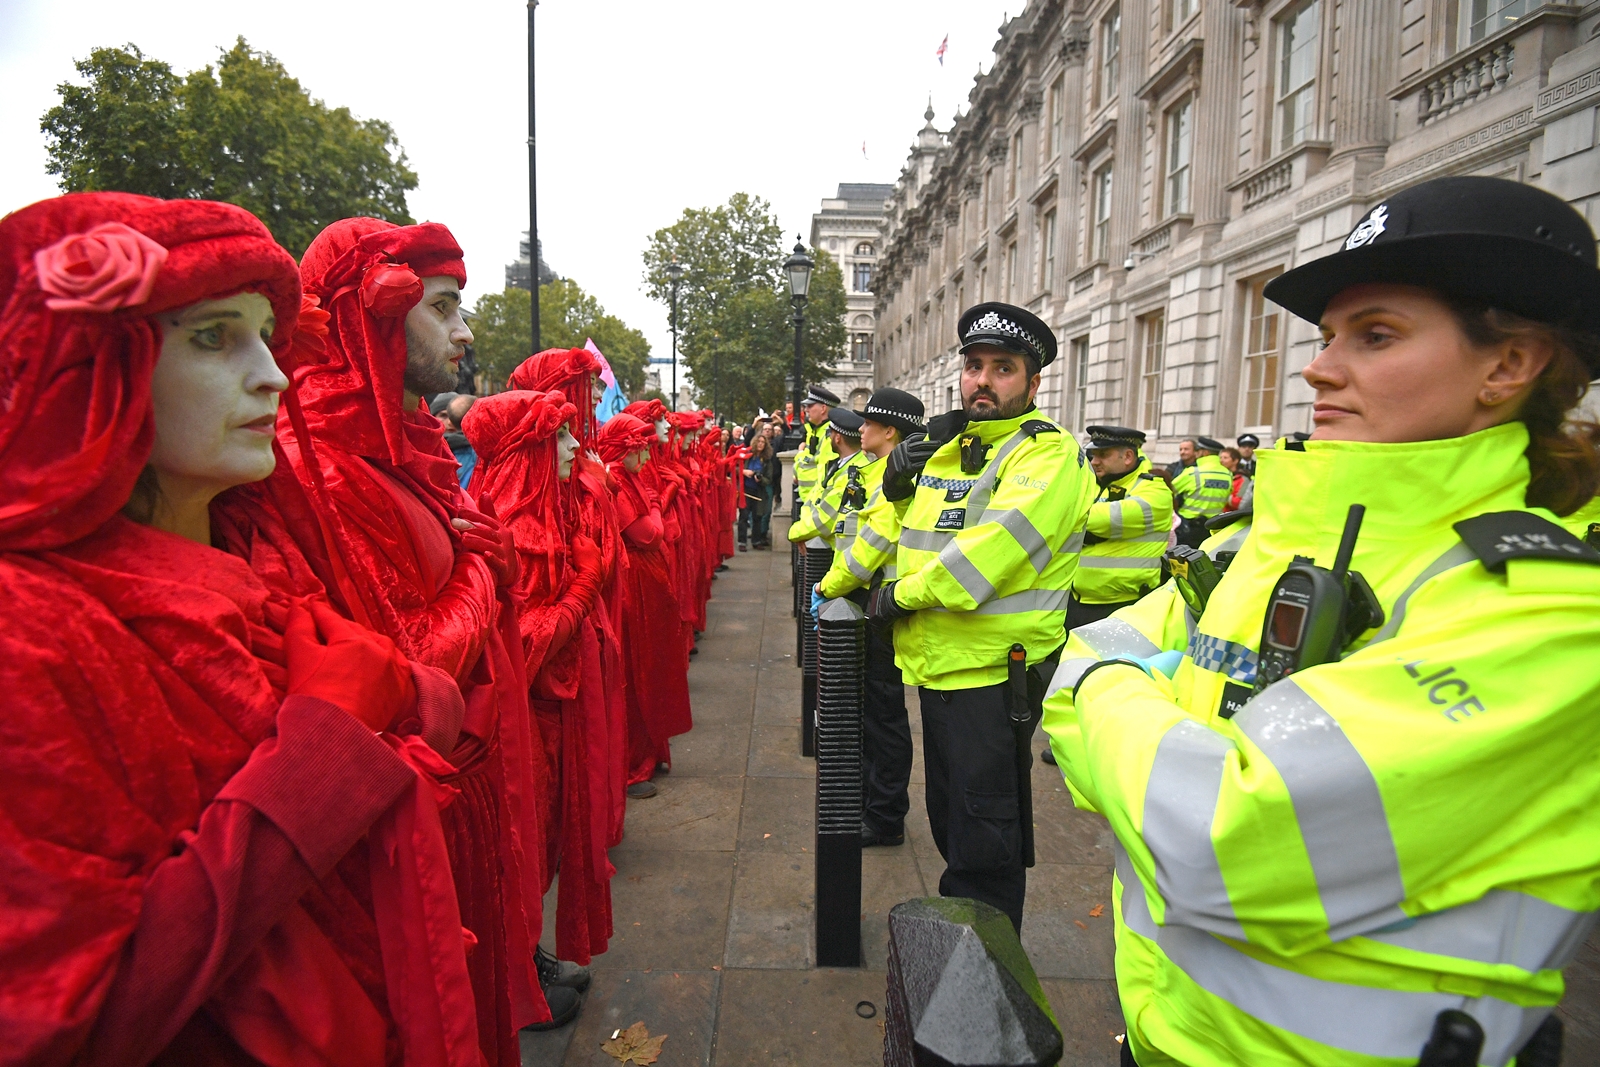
(1347, 542)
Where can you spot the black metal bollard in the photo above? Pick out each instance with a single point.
(817, 559)
(961, 990)
(841, 656)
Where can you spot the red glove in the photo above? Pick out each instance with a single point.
(587, 557)
(481, 532)
(333, 659)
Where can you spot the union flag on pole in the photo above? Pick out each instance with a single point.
(944, 44)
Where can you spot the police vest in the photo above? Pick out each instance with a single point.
(982, 555)
(866, 534)
(816, 450)
(820, 510)
(1127, 535)
(1201, 491)
(1310, 874)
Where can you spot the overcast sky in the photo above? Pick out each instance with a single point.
(645, 108)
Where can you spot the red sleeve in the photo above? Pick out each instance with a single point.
(301, 802)
(644, 531)
(451, 632)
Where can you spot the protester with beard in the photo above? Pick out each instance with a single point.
(984, 563)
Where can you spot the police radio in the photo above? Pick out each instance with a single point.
(1315, 613)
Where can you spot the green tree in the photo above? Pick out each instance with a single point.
(244, 132)
(736, 331)
(568, 316)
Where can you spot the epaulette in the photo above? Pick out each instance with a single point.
(1145, 477)
(1035, 427)
(1502, 535)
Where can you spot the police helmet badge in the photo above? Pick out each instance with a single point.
(1368, 228)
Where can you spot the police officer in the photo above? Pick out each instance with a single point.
(1127, 528)
(864, 549)
(815, 451)
(1201, 492)
(983, 565)
(1311, 867)
(1248, 443)
(819, 511)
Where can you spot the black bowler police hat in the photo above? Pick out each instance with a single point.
(1007, 327)
(818, 394)
(1509, 245)
(845, 421)
(1249, 440)
(897, 408)
(1114, 437)
(1208, 444)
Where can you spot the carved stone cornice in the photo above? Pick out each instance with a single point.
(1032, 104)
(952, 214)
(1103, 137)
(1074, 42)
(998, 146)
(1185, 63)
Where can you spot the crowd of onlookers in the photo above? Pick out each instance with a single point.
(763, 478)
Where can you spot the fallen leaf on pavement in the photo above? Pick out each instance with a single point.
(634, 1045)
(1080, 924)
(1097, 911)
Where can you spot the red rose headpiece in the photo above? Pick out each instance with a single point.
(80, 277)
(569, 370)
(622, 434)
(650, 411)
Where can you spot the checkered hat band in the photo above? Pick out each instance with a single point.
(873, 410)
(993, 322)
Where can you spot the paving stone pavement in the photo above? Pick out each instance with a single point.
(713, 896)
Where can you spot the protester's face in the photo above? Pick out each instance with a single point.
(566, 452)
(995, 384)
(634, 460)
(878, 438)
(1396, 367)
(597, 388)
(1229, 460)
(661, 430)
(1186, 451)
(1112, 462)
(215, 394)
(436, 337)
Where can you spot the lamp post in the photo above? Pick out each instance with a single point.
(533, 189)
(798, 269)
(675, 273)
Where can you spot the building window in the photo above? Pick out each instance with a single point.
(1298, 34)
(861, 348)
(1110, 54)
(1047, 234)
(1056, 118)
(961, 299)
(1152, 348)
(949, 398)
(1080, 382)
(1179, 12)
(864, 248)
(1261, 339)
(1481, 18)
(1015, 180)
(1011, 271)
(983, 284)
(983, 219)
(1100, 206)
(863, 280)
(1180, 150)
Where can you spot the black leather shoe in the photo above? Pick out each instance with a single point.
(663, 768)
(1048, 756)
(565, 1003)
(642, 790)
(872, 839)
(554, 972)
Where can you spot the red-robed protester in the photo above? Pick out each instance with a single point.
(374, 506)
(524, 454)
(659, 476)
(694, 576)
(574, 372)
(195, 775)
(654, 634)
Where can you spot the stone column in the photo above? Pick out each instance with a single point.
(1367, 50)
(1216, 114)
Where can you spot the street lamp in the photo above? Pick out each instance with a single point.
(675, 273)
(798, 270)
(533, 190)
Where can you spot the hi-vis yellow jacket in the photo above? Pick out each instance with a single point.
(986, 558)
(811, 461)
(1127, 535)
(1367, 842)
(865, 539)
(820, 511)
(1201, 491)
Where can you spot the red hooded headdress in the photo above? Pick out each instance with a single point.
(622, 434)
(569, 371)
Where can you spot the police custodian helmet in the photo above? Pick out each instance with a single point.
(1509, 245)
(1008, 327)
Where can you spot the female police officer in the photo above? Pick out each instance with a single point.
(1310, 871)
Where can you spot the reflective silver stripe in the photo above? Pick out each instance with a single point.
(1180, 802)
(1337, 804)
(1121, 563)
(817, 542)
(1115, 514)
(1017, 603)
(1074, 543)
(1361, 1019)
(1234, 542)
(1500, 927)
(1067, 675)
(1455, 557)
(925, 540)
(1149, 512)
(857, 568)
(876, 539)
(1112, 637)
(983, 488)
(1025, 533)
(966, 573)
(824, 506)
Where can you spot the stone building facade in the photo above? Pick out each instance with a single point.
(1134, 171)
(850, 229)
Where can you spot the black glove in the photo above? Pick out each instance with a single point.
(905, 462)
(881, 607)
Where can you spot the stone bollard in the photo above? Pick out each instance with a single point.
(816, 561)
(961, 990)
(841, 658)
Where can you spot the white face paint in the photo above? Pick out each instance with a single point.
(634, 460)
(661, 430)
(215, 394)
(566, 450)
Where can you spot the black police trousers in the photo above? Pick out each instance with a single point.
(969, 758)
(886, 736)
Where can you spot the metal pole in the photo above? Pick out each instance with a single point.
(799, 366)
(674, 344)
(533, 189)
